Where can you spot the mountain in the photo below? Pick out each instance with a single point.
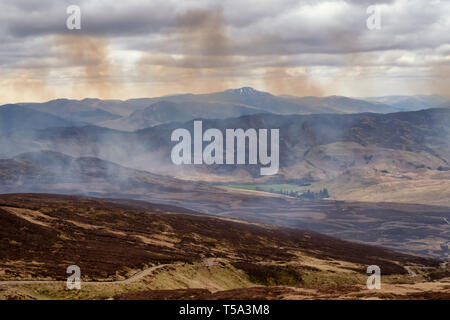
(86, 110)
(397, 157)
(51, 172)
(292, 105)
(401, 156)
(134, 114)
(339, 104)
(165, 111)
(36, 171)
(412, 103)
(383, 224)
(251, 97)
(421, 131)
(140, 247)
(15, 118)
(234, 103)
(327, 144)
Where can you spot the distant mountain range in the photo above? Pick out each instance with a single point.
(15, 118)
(412, 103)
(167, 111)
(135, 114)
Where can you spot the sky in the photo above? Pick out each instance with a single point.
(130, 49)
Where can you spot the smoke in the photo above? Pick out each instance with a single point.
(354, 65)
(202, 61)
(280, 81)
(90, 55)
(26, 85)
(203, 32)
(440, 79)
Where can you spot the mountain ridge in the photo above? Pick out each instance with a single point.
(117, 114)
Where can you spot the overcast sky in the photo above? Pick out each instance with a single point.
(128, 49)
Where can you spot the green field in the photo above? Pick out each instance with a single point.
(271, 187)
(283, 188)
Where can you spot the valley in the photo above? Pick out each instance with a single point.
(378, 180)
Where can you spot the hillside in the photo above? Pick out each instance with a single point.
(16, 118)
(114, 239)
(73, 110)
(339, 104)
(296, 105)
(134, 114)
(165, 111)
(420, 131)
(39, 171)
(384, 224)
(412, 103)
(396, 157)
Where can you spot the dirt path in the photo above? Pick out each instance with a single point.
(410, 271)
(136, 277)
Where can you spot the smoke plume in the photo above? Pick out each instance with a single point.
(90, 55)
(204, 62)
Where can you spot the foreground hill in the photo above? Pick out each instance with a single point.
(174, 248)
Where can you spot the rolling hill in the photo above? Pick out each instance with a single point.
(412, 103)
(385, 224)
(73, 110)
(16, 118)
(49, 170)
(340, 104)
(140, 113)
(325, 147)
(165, 111)
(128, 247)
(393, 157)
(236, 102)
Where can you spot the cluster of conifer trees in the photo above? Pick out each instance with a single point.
(306, 195)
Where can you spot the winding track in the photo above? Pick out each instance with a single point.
(410, 271)
(136, 277)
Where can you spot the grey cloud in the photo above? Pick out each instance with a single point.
(259, 29)
(258, 34)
